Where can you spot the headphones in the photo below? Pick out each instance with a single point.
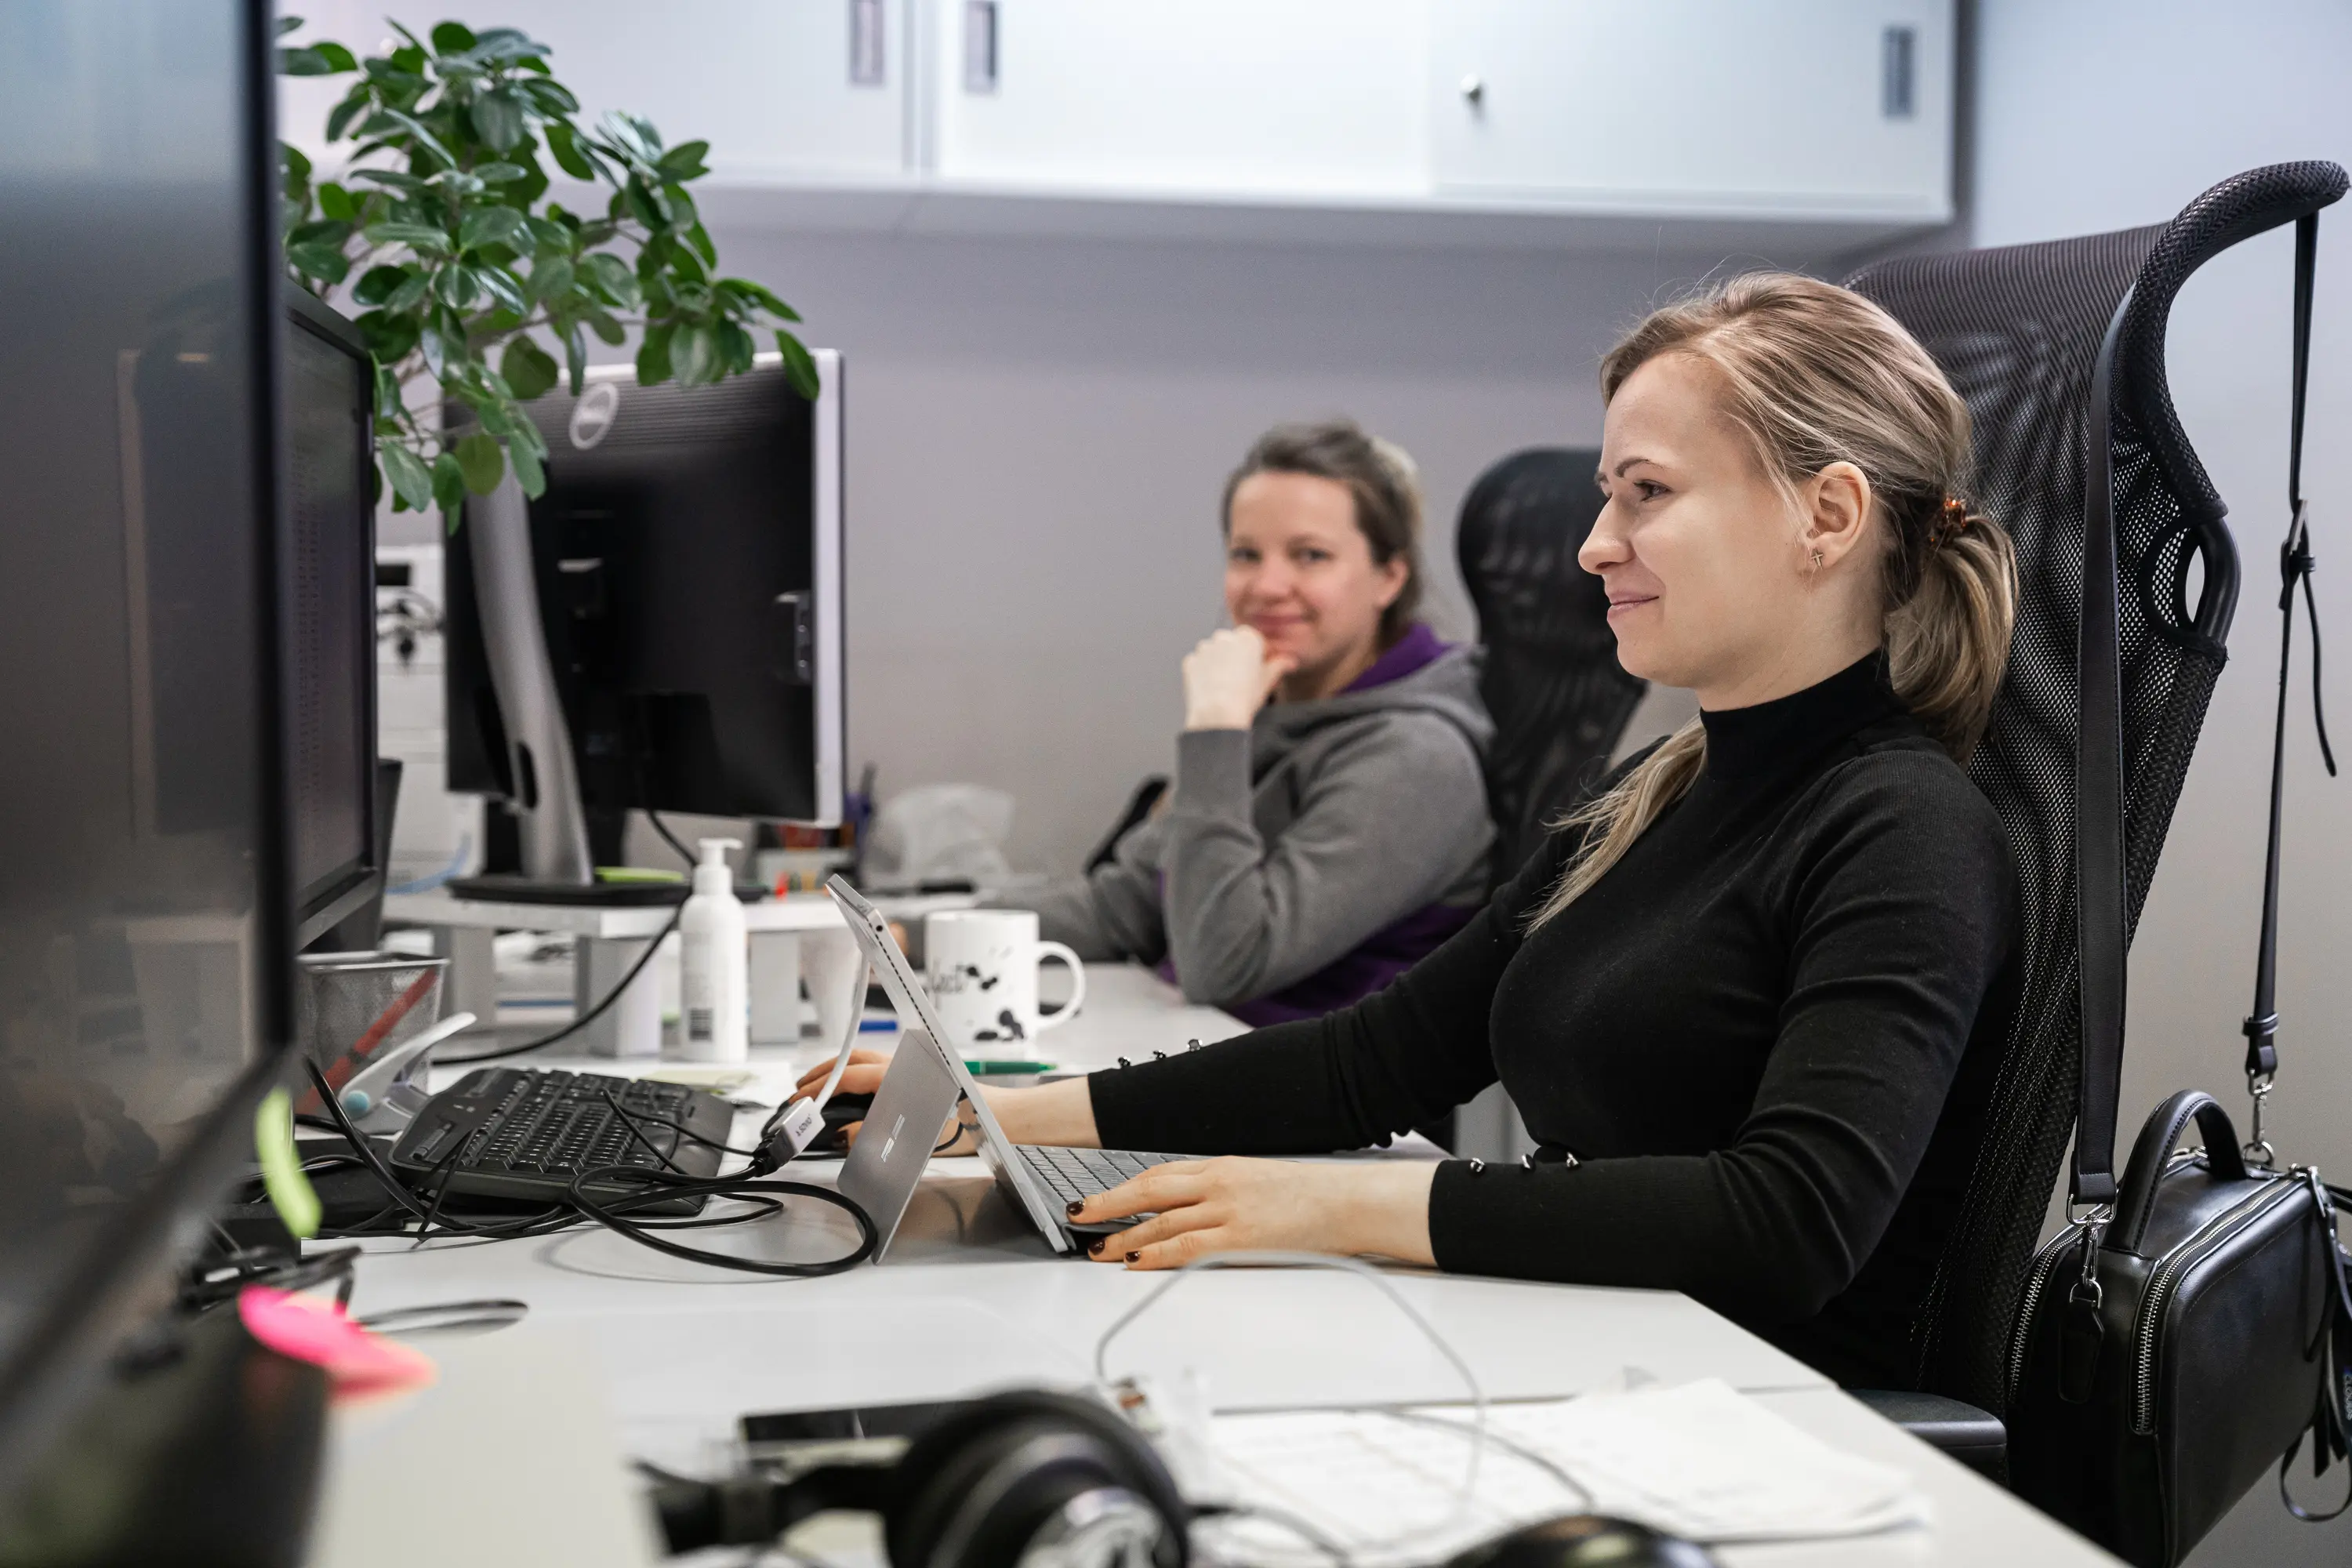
(1022, 1479)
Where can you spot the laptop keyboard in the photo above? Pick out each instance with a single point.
(1072, 1175)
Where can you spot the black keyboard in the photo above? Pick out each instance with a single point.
(522, 1133)
(1071, 1174)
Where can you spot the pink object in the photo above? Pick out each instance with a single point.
(308, 1329)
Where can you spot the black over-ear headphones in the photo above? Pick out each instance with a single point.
(1048, 1480)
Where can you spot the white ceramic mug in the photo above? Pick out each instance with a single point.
(981, 966)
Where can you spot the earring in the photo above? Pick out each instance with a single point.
(1817, 559)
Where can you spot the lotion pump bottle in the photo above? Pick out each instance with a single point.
(714, 982)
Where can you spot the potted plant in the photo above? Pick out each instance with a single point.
(467, 278)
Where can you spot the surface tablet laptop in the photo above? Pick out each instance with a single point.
(921, 1091)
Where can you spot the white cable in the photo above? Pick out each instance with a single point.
(848, 1036)
(1466, 1498)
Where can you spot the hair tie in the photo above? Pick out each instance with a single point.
(1951, 521)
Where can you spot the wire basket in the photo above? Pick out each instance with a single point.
(352, 1006)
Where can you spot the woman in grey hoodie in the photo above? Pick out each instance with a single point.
(1327, 825)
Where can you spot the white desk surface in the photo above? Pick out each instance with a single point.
(969, 1300)
(797, 912)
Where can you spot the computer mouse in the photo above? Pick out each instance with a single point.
(839, 1113)
(1586, 1541)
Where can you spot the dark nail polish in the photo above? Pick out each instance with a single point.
(1133, 1255)
(1075, 1207)
(1096, 1247)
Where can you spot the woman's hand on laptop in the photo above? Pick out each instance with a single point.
(1201, 1207)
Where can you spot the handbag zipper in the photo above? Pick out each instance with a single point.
(2044, 1262)
(2168, 1274)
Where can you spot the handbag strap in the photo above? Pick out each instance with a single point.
(2098, 763)
(2295, 565)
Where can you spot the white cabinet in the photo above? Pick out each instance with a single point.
(1826, 107)
(1317, 99)
(767, 83)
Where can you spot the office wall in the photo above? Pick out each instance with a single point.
(2095, 114)
(1039, 432)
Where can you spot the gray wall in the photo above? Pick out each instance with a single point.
(1038, 431)
(2100, 115)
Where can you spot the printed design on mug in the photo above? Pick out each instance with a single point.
(962, 977)
(1008, 1027)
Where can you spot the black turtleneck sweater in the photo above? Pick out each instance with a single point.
(1755, 1053)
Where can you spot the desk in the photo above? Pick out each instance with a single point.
(971, 1301)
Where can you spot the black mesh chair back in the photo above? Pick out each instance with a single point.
(1551, 679)
(2019, 331)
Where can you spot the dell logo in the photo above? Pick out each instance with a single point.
(593, 416)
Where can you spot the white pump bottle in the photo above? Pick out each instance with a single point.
(714, 980)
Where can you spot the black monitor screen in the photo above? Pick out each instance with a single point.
(144, 956)
(331, 605)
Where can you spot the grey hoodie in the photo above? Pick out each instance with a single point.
(1286, 847)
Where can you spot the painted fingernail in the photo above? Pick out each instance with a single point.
(1096, 1247)
(1076, 1208)
(1133, 1255)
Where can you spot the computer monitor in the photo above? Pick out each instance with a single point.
(687, 564)
(146, 928)
(330, 401)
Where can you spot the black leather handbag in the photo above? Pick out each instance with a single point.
(2191, 1327)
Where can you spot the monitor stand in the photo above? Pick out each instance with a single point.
(205, 1449)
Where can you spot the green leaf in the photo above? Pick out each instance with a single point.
(505, 288)
(737, 343)
(499, 120)
(605, 327)
(611, 279)
(287, 24)
(699, 237)
(448, 483)
(529, 474)
(389, 337)
(800, 369)
(647, 204)
(685, 161)
(310, 61)
(766, 296)
(575, 357)
(551, 98)
(325, 262)
(387, 399)
(340, 120)
(412, 482)
(411, 294)
(697, 356)
(406, 184)
(324, 231)
(452, 39)
(378, 284)
(499, 174)
(530, 370)
(338, 203)
(569, 157)
(502, 45)
(551, 277)
(423, 136)
(296, 166)
(339, 58)
(653, 354)
(489, 225)
(631, 137)
(415, 236)
(484, 461)
(458, 286)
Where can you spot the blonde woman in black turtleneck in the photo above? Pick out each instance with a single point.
(1752, 999)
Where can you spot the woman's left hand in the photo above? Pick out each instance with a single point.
(1201, 1207)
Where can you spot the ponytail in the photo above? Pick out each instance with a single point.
(1817, 374)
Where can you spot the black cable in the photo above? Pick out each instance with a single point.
(680, 1128)
(584, 1019)
(660, 1184)
(671, 839)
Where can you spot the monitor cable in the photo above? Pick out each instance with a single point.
(602, 1006)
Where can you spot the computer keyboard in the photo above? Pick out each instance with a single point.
(524, 1133)
(1071, 1174)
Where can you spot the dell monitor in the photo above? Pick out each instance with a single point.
(146, 901)
(329, 386)
(683, 594)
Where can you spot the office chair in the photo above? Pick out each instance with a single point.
(1551, 681)
(2019, 330)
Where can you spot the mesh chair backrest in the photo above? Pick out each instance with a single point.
(2018, 329)
(1551, 681)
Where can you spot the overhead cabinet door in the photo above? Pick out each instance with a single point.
(1794, 107)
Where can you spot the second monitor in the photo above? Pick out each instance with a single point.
(687, 561)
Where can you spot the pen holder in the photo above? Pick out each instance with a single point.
(353, 1008)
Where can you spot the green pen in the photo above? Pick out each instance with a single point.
(991, 1069)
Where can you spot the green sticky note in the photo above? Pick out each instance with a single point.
(638, 874)
(281, 1169)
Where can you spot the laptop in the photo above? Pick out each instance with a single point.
(926, 1085)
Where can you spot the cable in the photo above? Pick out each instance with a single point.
(671, 839)
(584, 1019)
(660, 1184)
(680, 1128)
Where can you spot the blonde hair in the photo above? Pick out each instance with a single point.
(1815, 375)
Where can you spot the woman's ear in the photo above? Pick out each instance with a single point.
(1394, 573)
(1836, 512)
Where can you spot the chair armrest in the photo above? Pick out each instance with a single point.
(1976, 1439)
